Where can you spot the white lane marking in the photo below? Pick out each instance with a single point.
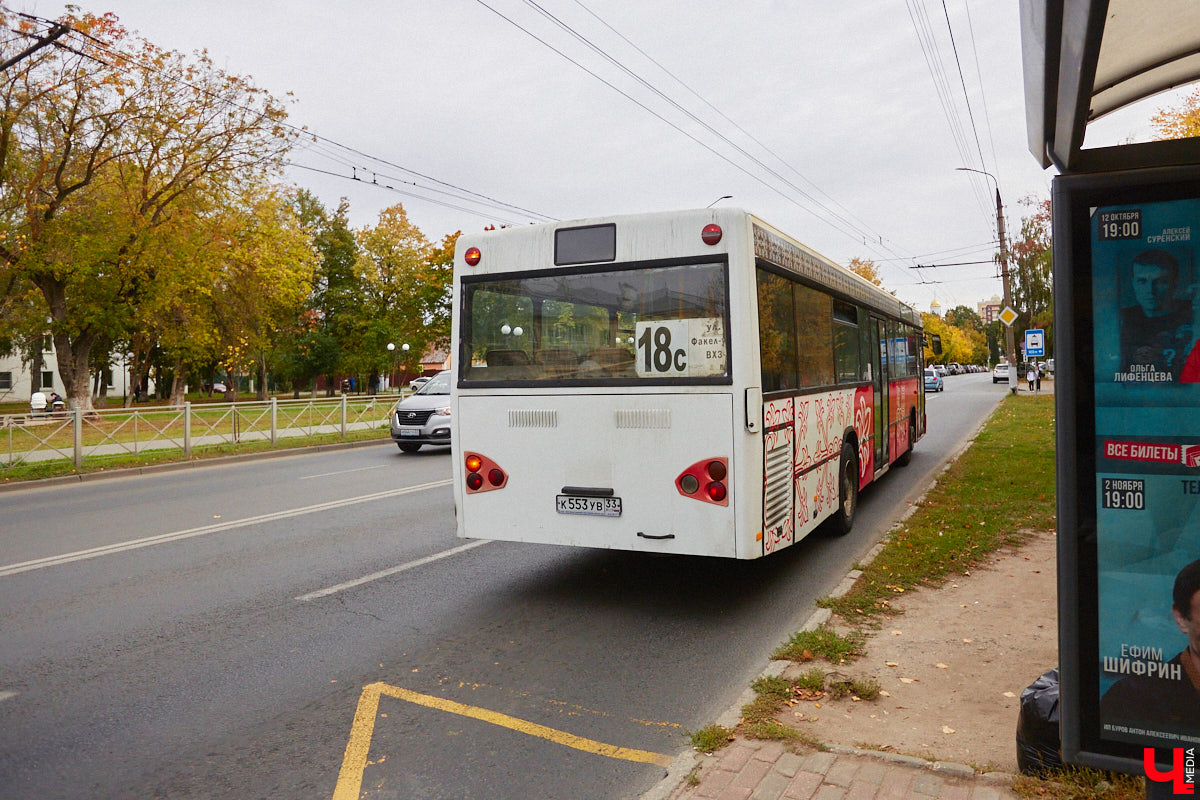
(6, 695)
(120, 547)
(392, 570)
(343, 472)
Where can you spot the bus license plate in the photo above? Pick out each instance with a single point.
(597, 506)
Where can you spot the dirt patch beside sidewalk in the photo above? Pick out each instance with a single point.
(953, 665)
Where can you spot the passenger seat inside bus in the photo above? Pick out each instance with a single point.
(614, 361)
(513, 365)
(557, 362)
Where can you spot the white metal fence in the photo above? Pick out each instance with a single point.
(76, 436)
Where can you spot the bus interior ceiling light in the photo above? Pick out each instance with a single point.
(711, 234)
(472, 256)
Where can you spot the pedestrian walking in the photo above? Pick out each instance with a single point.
(1038, 388)
(1031, 376)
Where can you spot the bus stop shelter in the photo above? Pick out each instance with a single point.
(1128, 372)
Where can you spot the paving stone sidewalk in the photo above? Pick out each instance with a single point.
(752, 770)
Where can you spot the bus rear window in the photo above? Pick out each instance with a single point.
(622, 326)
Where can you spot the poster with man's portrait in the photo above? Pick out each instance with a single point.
(1146, 317)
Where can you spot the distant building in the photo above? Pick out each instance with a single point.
(935, 308)
(989, 310)
(18, 380)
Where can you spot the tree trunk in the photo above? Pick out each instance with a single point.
(262, 377)
(179, 384)
(73, 359)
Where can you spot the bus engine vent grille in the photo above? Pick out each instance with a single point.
(777, 493)
(643, 418)
(532, 418)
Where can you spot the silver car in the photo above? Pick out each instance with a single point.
(424, 417)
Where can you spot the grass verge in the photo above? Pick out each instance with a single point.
(981, 503)
(95, 464)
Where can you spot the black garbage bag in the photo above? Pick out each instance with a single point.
(1037, 727)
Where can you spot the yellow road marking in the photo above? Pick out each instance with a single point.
(349, 784)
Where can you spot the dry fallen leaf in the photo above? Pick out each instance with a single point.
(947, 729)
(1009, 694)
(968, 641)
(896, 633)
(882, 693)
(942, 666)
(907, 680)
(891, 663)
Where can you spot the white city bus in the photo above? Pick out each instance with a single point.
(692, 383)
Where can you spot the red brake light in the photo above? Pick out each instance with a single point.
(711, 233)
(709, 474)
(479, 465)
(473, 255)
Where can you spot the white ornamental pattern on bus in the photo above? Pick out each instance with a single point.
(864, 426)
(818, 451)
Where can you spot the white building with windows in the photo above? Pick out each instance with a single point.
(18, 381)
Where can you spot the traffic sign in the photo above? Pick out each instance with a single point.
(1035, 342)
(1008, 316)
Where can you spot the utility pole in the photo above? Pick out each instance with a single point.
(1010, 347)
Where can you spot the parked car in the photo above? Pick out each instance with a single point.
(418, 382)
(1000, 373)
(933, 381)
(424, 417)
(954, 368)
(941, 370)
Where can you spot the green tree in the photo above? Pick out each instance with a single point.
(98, 153)
(405, 290)
(1031, 272)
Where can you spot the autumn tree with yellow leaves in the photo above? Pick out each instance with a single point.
(111, 148)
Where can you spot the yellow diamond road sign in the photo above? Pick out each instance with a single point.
(1007, 316)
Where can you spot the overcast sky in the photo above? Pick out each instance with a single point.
(835, 128)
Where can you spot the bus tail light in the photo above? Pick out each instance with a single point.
(483, 474)
(472, 256)
(705, 481)
(711, 234)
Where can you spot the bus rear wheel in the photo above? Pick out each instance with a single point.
(843, 517)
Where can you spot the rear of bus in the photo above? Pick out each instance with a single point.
(595, 398)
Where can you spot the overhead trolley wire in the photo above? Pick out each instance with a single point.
(303, 135)
(838, 222)
(723, 115)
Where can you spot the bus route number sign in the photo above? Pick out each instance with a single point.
(680, 348)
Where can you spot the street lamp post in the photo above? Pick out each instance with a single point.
(1010, 346)
(396, 363)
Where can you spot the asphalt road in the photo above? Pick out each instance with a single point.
(211, 633)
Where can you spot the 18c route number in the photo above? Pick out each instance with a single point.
(657, 354)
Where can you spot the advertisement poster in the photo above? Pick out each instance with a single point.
(1146, 317)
